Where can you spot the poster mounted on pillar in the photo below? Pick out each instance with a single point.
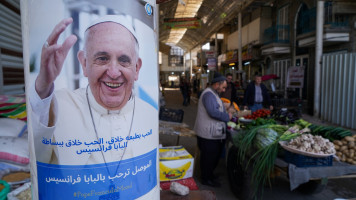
(211, 64)
(211, 60)
(93, 87)
(295, 77)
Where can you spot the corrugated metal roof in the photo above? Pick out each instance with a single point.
(214, 14)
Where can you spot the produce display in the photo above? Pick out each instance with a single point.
(260, 121)
(265, 138)
(258, 144)
(248, 122)
(286, 116)
(232, 107)
(258, 141)
(312, 144)
(258, 113)
(345, 149)
(232, 125)
(330, 132)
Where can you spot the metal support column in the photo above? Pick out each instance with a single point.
(216, 52)
(318, 55)
(239, 16)
(191, 63)
(184, 67)
(216, 45)
(201, 59)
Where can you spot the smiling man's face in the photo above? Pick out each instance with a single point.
(110, 62)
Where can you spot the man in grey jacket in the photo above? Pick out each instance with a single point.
(210, 126)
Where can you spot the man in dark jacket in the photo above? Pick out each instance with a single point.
(230, 91)
(256, 95)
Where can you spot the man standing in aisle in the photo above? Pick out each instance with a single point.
(230, 92)
(210, 126)
(256, 95)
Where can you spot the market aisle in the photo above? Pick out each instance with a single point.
(174, 100)
(336, 188)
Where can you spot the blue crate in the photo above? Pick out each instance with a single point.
(307, 161)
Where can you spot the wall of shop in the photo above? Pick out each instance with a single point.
(166, 67)
(12, 79)
(338, 94)
(251, 33)
(271, 17)
(253, 28)
(233, 41)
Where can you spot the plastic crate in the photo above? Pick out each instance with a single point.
(171, 115)
(307, 161)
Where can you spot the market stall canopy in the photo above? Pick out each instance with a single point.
(189, 23)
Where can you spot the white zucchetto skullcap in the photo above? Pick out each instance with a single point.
(119, 19)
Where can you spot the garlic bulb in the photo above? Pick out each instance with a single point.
(312, 144)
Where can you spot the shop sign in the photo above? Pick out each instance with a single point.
(295, 77)
(210, 54)
(212, 64)
(247, 52)
(188, 22)
(231, 56)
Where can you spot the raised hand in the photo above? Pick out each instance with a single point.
(52, 58)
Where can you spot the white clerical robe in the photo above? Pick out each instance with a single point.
(72, 122)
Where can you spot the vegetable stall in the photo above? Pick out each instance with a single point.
(263, 145)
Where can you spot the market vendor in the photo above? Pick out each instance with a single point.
(256, 95)
(210, 126)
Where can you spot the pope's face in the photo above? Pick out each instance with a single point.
(110, 62)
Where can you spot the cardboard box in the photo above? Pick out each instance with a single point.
(175, 163)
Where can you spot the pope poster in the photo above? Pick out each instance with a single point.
(92, 91)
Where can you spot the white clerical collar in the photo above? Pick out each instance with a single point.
(103, 111)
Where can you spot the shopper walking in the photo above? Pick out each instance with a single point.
(256, 95)
(210, 126)
(186, 91)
